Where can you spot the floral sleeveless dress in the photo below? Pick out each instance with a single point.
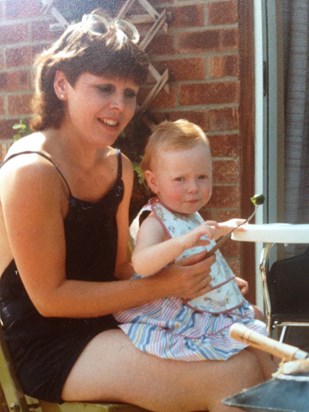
(195, 330)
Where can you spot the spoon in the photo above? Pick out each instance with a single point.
(257, 200)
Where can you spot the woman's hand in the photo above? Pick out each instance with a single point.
(188, 278)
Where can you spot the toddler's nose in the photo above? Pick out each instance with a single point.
(192, 186)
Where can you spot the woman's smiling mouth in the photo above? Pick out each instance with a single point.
(109, 122)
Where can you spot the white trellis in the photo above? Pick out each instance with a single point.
(157, 20)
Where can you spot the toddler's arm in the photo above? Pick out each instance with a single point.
(153, 251)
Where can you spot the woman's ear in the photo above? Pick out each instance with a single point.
(151, 181)
(60, 85)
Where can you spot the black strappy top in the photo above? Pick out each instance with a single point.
(91, 247)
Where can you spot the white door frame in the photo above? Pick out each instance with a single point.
(269, 147)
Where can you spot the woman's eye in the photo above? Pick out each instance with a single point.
(179, 179)
(106, 89)
(131, 94)
(202, 177)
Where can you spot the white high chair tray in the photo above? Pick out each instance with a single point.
(273, 233)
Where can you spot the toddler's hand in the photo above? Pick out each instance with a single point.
(197, 237)
(227, 226)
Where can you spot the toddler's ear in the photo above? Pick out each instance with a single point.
(151, 181)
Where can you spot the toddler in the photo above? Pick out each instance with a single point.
(177, 166)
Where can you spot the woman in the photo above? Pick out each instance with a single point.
(64, 195)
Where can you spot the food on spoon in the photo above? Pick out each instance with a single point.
(258, 199)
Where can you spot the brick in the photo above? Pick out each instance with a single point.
(223, 215)
(227, 145)
(209, 93)
(19, 56)
(225, 171)
(206, 213)
(2, 60)
(19, 104)
(223, 119)
(230, 249)
(6, 131)
(162, 44)
(187, 16)
(234, 264)
(198, 41)
(195, 116)
(13, 33)
(13, 81)
(223, 12)
(157, 4)
(20, 9)
(229, 39)
(39, 30)
(165, 100)
(225, 197)
(37, 49)
(183, 69)
(2, 107)
(223, 66)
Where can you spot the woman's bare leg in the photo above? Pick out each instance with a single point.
(267, 363)
(112, 369)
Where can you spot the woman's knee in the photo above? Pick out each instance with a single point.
(251, 367)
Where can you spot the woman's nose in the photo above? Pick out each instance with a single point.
(117, 101)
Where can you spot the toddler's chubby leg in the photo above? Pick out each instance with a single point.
(112, 369)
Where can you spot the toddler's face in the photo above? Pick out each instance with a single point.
(182, 179)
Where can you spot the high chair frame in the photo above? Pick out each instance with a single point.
(281, 316)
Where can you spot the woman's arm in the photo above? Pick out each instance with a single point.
(34, 204)
(124, 269)
(153, 252)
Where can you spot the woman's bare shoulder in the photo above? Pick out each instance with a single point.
(26, 173)
(32, 142)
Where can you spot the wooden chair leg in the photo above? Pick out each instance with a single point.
(88, 407)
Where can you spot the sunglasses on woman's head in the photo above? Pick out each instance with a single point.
(99, 25)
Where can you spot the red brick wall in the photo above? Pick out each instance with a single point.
(201, 50)
(23, 33)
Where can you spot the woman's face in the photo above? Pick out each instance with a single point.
(98, 108)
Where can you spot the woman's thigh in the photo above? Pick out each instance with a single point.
(111, 369)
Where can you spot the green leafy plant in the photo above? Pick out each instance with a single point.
(21, 129)
(138, 171)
